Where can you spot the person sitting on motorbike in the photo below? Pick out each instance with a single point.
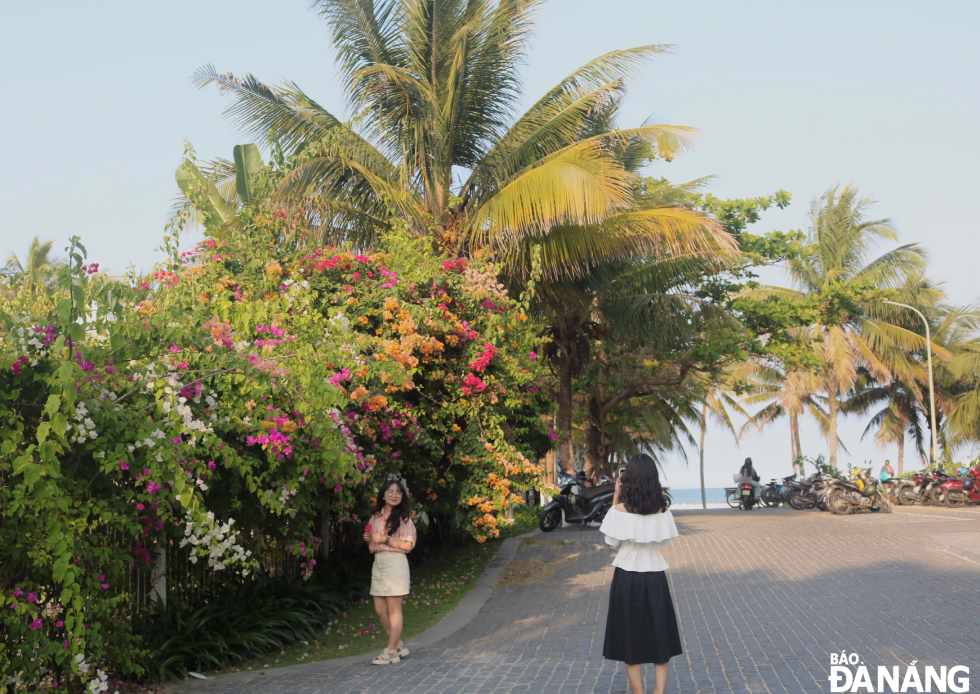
(749, 475)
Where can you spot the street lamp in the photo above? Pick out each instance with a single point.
(932, 395)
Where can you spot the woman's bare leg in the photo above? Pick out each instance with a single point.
(661, 670)
(381, 607)
(634, 673)
(395, 621)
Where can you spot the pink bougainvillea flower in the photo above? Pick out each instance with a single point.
(123, 465)
(59, 624)
(139, 507)
(18, 592)
(64, 644)
(31, 597)
(37, 624)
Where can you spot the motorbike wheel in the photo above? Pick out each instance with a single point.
(924, 499)
(797, 501)
(938, 497)
(884, 504)
(550, 520)
(732, 500)
(837, 504)
(955, 499)
(908, 497)
(602, 512)
(770, 498)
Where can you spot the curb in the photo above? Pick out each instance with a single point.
(462, 614)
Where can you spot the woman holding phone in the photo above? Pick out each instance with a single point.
(390, 536)
(641, 626)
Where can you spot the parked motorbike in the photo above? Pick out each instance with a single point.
(773, 493)
(576, 503)
(901, 491)
(927, 484)
(859, 491)
(960, 491)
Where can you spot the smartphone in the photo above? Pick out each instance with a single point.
(620, 471)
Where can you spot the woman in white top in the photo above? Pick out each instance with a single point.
(641, 626)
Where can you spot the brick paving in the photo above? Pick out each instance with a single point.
(762, 598)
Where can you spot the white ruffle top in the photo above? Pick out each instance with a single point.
(639, 539)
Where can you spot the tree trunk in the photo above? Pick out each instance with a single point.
(595, 446)
(794, 436)
(565, 456)
(832, 417)
(901, 454)
(548, 462)
(704, 426)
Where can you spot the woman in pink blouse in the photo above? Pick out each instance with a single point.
(390, 536)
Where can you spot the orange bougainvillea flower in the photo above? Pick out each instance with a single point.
(359, 393)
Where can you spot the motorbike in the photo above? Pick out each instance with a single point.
(960, 491)
(901, 491)
(746, 498)
(774, 493)
(927, 484)
(576, 503)
(859, 491)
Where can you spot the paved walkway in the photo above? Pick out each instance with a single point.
(763, 598)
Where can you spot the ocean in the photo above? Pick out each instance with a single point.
(691, 498)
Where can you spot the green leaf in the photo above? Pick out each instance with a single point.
(66, 371)
(78, 294)
(64, 310)
(42, 431)
(32, 473)
(60, 567)
(248, 161)
(53, 404)
(116, 340)
(76, 332)
(203, 194)
(59, 423)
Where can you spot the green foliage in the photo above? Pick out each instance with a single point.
(261, 614)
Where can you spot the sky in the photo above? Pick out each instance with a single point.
(795, 96)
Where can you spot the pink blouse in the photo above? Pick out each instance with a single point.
(406, 532)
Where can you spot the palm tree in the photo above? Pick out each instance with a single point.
(433, 145)
(34, 274)
(718, 399)
(792, 394)
(900, 416)
(841, 240)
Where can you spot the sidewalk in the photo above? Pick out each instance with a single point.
(763, 598)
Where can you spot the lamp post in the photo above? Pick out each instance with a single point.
(933, 450)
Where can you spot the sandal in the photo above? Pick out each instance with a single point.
(400, 649)
(386, 658)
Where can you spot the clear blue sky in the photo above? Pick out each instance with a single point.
(801, 95)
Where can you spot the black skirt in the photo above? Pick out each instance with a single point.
(641, 626)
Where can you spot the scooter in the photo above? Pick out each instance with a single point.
(746, 497)
(577, 503)
(960, 491)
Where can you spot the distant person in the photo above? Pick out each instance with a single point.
(748, 474)
(641, 626)
(887, 471)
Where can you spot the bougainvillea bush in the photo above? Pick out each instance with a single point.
(231, 401)
(445, 391)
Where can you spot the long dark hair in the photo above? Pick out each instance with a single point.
(747, 469)
(400, 513)
(641, 492)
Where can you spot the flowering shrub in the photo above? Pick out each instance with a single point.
(156, 412)
(241, 392)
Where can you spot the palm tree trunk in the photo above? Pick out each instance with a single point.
(566, 458)
(793, 438)
(832, 417)
(901, 454)
(704, 426)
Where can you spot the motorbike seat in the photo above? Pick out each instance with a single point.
(592, 492)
